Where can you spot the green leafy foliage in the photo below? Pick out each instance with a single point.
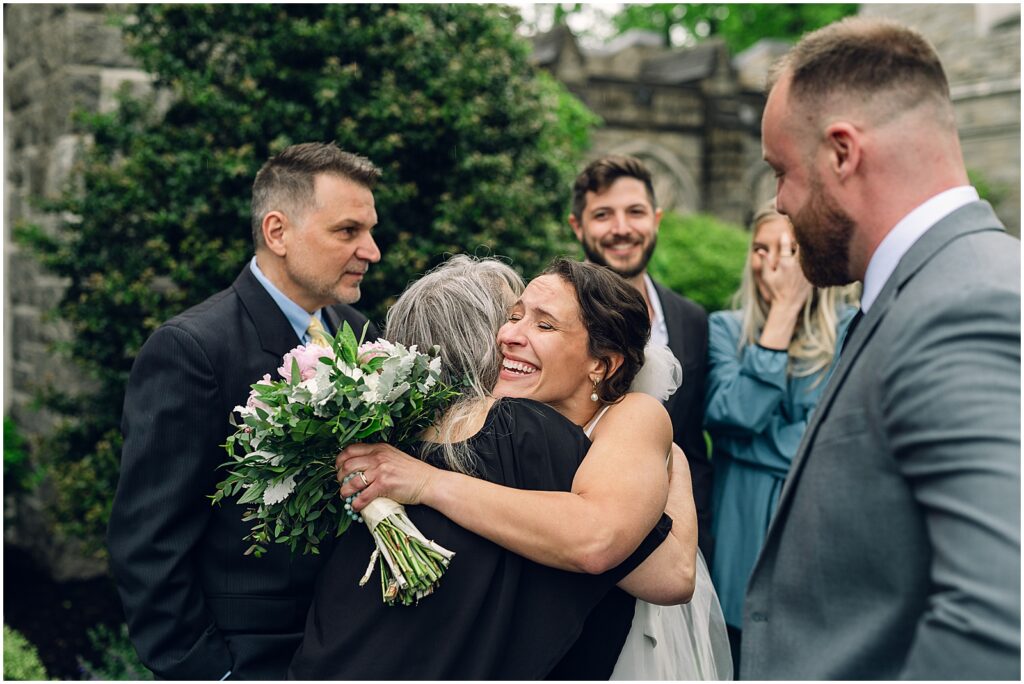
(19, 472)
(740, 25)
(118, 658)
(700, 257)
(21, 660)
(477, 153)
(993, 193)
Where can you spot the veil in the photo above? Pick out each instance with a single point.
(689, 641)
(660, 375)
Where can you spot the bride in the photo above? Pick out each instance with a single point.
(575, 306)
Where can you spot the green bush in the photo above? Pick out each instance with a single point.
(700, 257)
(477, 152)
(118, 659)
(21, 660)
(17, 467)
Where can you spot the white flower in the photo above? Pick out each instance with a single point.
(348, 371)
(372, 393)
(398, 391)
(276, 493)
(434, 372)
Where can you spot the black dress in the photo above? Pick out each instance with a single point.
(496, 615)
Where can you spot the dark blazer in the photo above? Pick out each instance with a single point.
(196, 606)
(687, 325)
(895, 549)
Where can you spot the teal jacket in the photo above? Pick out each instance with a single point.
(756, 415)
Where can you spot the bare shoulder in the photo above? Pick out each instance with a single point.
(640, 412)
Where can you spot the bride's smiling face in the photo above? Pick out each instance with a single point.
(545, 353)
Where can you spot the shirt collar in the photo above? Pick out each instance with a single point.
(296, 315)
(652, 295)
(905, 233)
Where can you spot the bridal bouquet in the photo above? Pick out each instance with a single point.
(292, 428)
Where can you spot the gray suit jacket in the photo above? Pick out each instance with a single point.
(895, 550)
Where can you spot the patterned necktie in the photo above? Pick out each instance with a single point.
(849, 329)
(317, 333)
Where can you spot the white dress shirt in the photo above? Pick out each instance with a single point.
(659, 329)
(905, 233)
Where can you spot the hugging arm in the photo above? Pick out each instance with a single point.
(668, 575)
(618, 494)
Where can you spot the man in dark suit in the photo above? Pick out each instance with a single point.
(197, 608)
(895, 549)
(615, 217)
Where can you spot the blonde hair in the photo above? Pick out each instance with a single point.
(813, 345)
(459, 305)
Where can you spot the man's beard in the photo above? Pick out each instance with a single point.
(595, 257)
(823, 231)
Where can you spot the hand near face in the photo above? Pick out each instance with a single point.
(782, 276)
(387, 471)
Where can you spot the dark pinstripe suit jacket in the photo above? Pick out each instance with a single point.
(196, 607)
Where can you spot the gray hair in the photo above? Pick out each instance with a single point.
(286, 182)
(459, 305)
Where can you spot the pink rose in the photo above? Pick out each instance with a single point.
(373, 350)
(307, 356)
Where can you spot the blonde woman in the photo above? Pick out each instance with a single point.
(768, 361)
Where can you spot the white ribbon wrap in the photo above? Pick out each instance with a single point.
(378, 509)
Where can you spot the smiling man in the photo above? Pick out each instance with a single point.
(615, 216)
(197, 608)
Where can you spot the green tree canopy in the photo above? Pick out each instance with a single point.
(477, 149)
(740, 25)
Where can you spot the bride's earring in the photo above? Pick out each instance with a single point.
(593, 395)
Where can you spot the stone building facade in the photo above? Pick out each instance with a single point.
(693, 114)
(689, 113)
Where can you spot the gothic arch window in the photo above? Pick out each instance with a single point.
(674, 185)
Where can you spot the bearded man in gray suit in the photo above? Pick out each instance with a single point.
(895, 550)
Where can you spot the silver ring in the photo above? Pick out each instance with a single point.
(362, 476)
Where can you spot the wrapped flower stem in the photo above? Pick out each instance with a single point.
(410, 564)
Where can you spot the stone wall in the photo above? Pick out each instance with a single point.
(57, 59)
(686, 112)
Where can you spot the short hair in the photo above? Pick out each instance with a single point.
(459, 305)
(863, 57)
(601, 173)
(287, 180)
(615, 316)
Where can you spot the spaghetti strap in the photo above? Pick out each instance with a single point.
(588, 429)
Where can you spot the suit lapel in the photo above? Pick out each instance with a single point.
(674, 323)
(972, 218)
(275, 332)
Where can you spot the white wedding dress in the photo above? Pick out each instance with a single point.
(685, 642)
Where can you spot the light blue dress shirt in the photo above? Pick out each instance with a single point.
(296, 315)
(756, 415)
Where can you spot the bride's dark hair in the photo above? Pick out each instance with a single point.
(615, 316)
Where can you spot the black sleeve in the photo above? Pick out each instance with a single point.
(652, 541)
(160, 509)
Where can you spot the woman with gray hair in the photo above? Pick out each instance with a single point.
(497, 615)
(768, 360)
